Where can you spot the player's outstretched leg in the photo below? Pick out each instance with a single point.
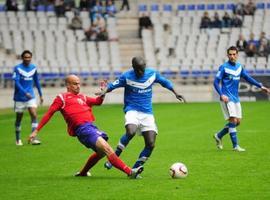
(104, 147)
(124, 140)
(92, 160)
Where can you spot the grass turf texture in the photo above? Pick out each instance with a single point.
(185, 135)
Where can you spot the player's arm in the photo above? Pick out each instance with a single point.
(94, 101)
(37, 84)
(121, 82)
(16, 78)
(252, 81)
(217, 80)
(56, 106)
(169, 85)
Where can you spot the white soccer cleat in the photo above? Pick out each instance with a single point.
(19, 143)
(239, 149)
(218, 142)
(88, 174)
(135, 173)
(35, 141)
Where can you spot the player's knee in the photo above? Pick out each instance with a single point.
(150, 145)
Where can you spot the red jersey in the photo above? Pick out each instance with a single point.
(75, 108)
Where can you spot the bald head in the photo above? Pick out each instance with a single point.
(138, 64)
(73, 84)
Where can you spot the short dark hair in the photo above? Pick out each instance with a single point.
(26, 52)
(232, 48)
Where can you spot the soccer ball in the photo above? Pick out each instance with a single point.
(178, 170)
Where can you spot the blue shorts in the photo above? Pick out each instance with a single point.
(88, 134)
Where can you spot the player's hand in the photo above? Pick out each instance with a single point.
(265, 89)
(28, 95)
(41, 100)
(32, 136)
(224, 98)
(180, 98)
(103, 88)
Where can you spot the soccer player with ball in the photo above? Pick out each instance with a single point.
(138, 84)
(76, 109)
(229, 75)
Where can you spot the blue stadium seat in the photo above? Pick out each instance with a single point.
(260, 71)
(167, 7)
(268, 5)
(154, 8)
(221, 6)
(200, 7)
(181, 7)
(196, 73)
(7, 75)
(210, 7)
(2, 8)
(50, 8)
(191, 7)
(142, 7)
(260, 5)
(41, 8)
(230, 6)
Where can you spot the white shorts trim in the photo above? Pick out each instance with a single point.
(20, 106)
(231, 109)
(144, 121)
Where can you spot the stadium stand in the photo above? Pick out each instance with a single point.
(176, 45)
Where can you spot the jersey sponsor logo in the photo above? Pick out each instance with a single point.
(234, 72)
(144, 85)
(28, 78)
(145, 91)
(80, 101)
(27, 74)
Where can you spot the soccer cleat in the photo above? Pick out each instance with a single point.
(83, 175)
(35, 141)
(218, 141)
(19, 143)
(135, 172)
(239, 149)
(108, 165)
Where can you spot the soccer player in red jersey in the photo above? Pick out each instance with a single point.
(76, 109)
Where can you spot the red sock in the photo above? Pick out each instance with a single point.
(119, 164)
(92, 160)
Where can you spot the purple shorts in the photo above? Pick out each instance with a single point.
(88, 134)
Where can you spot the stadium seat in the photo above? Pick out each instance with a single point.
(260, 5)
(50, 8)
(220, 7)
(167, 7)
(41, 8)
(2, 8)
(201, 7)
(154, 8)
(142, 8)
(210, 6)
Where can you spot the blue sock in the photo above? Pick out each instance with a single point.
(233, 135)
(34, 125)
(223, 132)
(124, 140)
(18, 130)
(145, 154)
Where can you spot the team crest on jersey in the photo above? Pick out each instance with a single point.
(80, 101)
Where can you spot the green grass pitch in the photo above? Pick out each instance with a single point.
(185, 135)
